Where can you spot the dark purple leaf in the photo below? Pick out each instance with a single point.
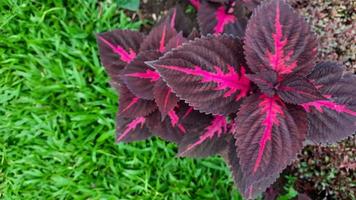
(165, 99)
(250, 190)
(250, 4)
(175, 41)
(131, 106)
(159, 36)
(194, 34)
(171, 128)
(268, 134)
(333, 119)
(206, 141)
(129, 130)
(221, 18)
(118, 48)
(277, 38)
(297, 90)
(208, 73)
(266, 81)
(179, 21)
(139, 77)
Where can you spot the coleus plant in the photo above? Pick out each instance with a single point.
(249, 90)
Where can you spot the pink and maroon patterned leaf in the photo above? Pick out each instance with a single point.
(172, 127)
(266, 81)
(159, 36)
(221, 18)
(333, 119)
(128, 130)
(118, 48)
(208, 73)
(176, 41)
(268, 134)
(139, 77)
(131, 106)
(250, 4)
(277, 38)
(179, 21)
(165, 99)
(298, 90)
(249, 190)
(210, 140)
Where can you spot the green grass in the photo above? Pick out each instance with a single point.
(57, 115)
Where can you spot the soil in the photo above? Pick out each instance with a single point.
(323, 172)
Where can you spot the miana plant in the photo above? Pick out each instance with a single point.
(246, 87)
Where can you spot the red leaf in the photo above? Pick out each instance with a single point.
(333, 119)
(268, 136)
(131, 106)
(117, 48)
(278, 39)
(208, 141)
(207, 73)
(139, 77)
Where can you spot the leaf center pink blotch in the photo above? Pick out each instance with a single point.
(132, 126)
(149, 74)
(223, 19)
(318, 105)
(217, 127)
(279, 59)
(270, 107)
(124, 55)
(231, 80)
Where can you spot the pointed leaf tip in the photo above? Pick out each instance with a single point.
(268, 134)
(294, 46)
(118, 48)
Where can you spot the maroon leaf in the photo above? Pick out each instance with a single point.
(278, 39)
(179, 21)
(268, 137)
(208, 73)
(248, 190)
(250, 4)
(139, 77)
(129, 130)
(165, 99)
(266, 81)
(159, 36)
(221, 18)
(175, 41)
(132, 106)
(207, 141)
(298, 90)
(117, 48)
(172, 127)
(333, 119)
